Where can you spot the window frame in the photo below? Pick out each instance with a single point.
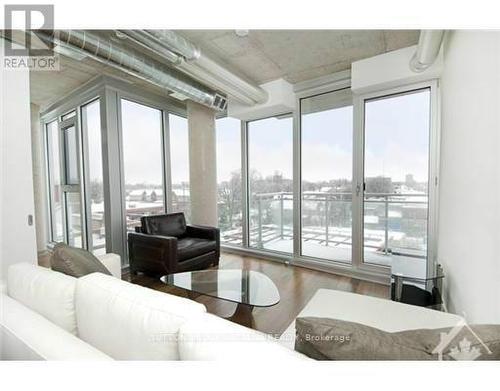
(299, 253)
(357, 267)
(244, 230)
(108, 91)
(286, 257)
(433, 171)
(47, 150)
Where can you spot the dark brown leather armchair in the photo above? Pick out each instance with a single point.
(164, 244)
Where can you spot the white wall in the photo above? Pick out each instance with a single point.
(17, 238)
(389, 70)
(281, 100)
(40, 197)
(469, 217)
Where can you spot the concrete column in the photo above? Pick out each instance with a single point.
(202, 164)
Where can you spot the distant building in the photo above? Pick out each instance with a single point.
(145, 195)
(410, 181)
(379, 184)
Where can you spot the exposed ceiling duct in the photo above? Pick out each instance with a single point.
(177, 44)
(144, 40)
(427, 51)
(120, 56)
(201, 67)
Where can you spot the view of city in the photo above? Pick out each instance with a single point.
(395, 194)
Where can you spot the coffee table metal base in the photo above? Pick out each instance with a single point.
(241, 315)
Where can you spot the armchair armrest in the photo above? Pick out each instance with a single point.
(154, 253)
(203, 232)
(113, 263)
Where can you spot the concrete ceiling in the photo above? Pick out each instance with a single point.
(47, 87)
(297, 55)
(262, 56)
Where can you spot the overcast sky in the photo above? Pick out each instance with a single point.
(396, 141)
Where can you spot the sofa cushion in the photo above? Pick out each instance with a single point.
(188, 248)
(130, 322)
(173, 224)
(26, 335)
(383, 314)
(333, 339)
(211, 338)
(75, 262)
(49, 293)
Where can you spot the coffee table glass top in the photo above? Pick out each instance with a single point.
(239, 286)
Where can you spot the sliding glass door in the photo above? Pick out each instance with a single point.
(270, 183)
(326, 173)
(364, 168)
(397, 133)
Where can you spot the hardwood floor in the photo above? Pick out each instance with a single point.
(296, 286)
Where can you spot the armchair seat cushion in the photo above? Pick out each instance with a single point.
(188, 248)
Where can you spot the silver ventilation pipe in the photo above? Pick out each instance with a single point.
(427, 51)
(177, 43)
(144, 40)
(156, 48)
(201, 67)
(121, 57)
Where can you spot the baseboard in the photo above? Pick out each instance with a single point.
(326, 267)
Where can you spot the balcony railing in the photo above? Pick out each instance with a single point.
(394, 223)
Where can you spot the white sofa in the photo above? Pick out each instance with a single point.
(46, 315)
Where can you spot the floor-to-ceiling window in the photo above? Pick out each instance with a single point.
(54, 182)
(270, 183)
(179, 165)
(385, 160)
(229, 190)
(142, 153)
(91, 126)
(63, 148)
(396, 175)
(101, 180)
(326, 172)
(72, 180)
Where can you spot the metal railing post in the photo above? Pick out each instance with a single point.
(259, 240)
(386, 214)
(281, 215)
(327, 217)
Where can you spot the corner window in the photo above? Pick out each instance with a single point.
(229, 181)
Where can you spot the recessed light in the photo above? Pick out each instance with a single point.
(241, 33)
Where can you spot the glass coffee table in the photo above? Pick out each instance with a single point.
(246, 288)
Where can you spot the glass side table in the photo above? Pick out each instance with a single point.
(413, 286)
